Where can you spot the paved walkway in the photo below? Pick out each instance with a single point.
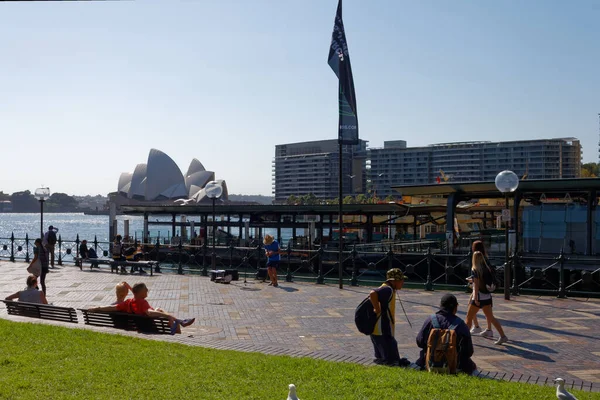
(549, 337)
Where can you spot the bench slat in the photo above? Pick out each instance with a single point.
(126, 321)
(41, 311)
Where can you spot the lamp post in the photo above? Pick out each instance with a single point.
(42, 194)
(213, 191)
(506, 182)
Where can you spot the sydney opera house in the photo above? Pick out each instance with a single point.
(161, 180)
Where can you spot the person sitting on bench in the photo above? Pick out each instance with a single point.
(86, 253)
(31, 294)
(139, 306)
(121, 291)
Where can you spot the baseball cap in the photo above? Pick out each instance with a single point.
(448, 301)
(50, 227)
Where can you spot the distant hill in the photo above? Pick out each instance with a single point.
(256, 198)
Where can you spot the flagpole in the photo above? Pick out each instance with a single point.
(341, 220)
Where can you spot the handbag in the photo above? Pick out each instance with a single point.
(35, 268)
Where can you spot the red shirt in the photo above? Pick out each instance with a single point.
(134, 306)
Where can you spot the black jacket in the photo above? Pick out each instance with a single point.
(463, 339)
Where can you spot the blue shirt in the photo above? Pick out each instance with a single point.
(273, 247)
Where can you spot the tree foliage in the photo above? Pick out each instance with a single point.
(590, 170)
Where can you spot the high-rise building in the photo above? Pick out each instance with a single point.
(313, 167)
(397, 165)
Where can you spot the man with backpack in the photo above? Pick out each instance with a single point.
(445, 341)
(383, 300)
(49, 242)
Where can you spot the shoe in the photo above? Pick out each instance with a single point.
(271, 284)
(174, 327)
(379, 361)
(487, 333)
(275, 285)
(404, 362)
(475, 330)
(187, 322)
(502, 340)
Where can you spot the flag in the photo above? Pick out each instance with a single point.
(339, 61)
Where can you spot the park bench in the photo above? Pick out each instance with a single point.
(114, 265)
(42, 311)
(126, 321)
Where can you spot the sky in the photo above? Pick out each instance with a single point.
(88, 88)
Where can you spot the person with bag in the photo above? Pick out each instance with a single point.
(31, 294)
(40, 255)
(476, 329)
(483, 286)
(445, 341)
(383, 301)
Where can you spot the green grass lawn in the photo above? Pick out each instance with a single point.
(47, 362)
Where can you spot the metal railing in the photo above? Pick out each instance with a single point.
(425, 267)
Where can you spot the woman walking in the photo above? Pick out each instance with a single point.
(478, 246)
(482, 298)
(41, 253)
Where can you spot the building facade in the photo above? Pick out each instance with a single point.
(397, 165)
(313, 168)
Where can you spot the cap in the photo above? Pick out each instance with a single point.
(50, 227)
(395, 274)
(448, 301)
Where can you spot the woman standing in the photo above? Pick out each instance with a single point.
(273, 258)
(482, 298)
(31, 294)
(41, 253)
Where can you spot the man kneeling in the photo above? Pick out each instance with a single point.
(138, 305)
(446, 319)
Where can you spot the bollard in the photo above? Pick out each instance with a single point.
(320, 277)
(59, 250)
(26, 247)
(561, 282)
(288, 276)
(354, 280)
(429, 283)
(12, 247)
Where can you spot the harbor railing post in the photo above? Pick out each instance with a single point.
(26, 247)
(561, 281)
(204, 251)
(390, 258)
(288, 276)
(180, 254)
(59, 250)
(12, 247)
(77, 250)
(157, 267)
(514, 259)
(320, 277)
(96, 244)
(429, 283)
(354, 280)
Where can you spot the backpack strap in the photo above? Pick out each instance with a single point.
(435, 322)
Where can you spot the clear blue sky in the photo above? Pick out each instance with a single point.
(86, 89)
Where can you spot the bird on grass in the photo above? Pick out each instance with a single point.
(292, 392)
(561, 392)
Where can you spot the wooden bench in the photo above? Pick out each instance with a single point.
(114, 265)
(126, 321)
(42, 311)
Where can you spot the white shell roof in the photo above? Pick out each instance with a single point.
(163, 177)
(125, 182)
(138, 182)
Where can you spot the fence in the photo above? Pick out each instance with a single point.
(425, 266)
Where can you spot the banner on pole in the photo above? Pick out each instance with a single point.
(339, 61)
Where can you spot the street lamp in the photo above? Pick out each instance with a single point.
(213, 191)
(506, 182)
(42, 194)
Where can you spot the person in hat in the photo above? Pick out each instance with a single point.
(446, 316)
(272, 252)
(383, 299)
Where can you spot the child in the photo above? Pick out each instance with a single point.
(121, 291)
(138, 305)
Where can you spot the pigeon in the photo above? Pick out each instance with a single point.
(561, 392)
(292, 393)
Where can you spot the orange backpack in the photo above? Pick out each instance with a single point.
(442, 352)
